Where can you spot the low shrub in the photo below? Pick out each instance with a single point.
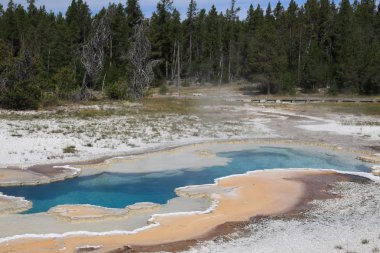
(69, 150)
(163, 89)
(65, 83)
(49, 99)
(17, 98)
(117, 90)
(365, 241)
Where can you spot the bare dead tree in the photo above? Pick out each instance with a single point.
(142, 66)
(92, 53)
(221, 65)
(174, 61)
(178, 71)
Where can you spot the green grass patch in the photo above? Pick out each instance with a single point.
(92, 113)
(69, 150)
(365, 241)
(169, 105)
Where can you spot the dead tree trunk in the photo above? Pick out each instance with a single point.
(178, 71)
(221, 71)
(174, 60)
(142, 67)
(84, 87)
(92, 55)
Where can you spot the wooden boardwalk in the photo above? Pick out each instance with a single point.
(300, 100)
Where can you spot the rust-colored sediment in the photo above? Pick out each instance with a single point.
(267, 193)
(317, 187)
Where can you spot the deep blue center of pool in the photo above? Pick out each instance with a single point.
(118, 190)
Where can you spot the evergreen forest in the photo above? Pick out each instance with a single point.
(320, 45)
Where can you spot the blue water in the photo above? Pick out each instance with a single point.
(118, 190)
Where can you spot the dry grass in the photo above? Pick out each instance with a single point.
(93, 113)
(169, 105)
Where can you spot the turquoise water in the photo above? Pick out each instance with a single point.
(118, 190)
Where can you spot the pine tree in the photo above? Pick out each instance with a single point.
(212, 47)
(344, 49)
(176, 37)
(118, 43)
(314, 45)
(134, 13)
(201, 58)
(266, 55)
(313, 66)
(24, 77)
(292, 30)
(250, 20)
(60, 55)
(190, 27)
(254, 21)
(233, 22)
(11, 29)
(161, 36)
(367, 47)
(78, 19)
(278, 12)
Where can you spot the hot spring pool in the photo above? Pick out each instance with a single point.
(117, 190)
